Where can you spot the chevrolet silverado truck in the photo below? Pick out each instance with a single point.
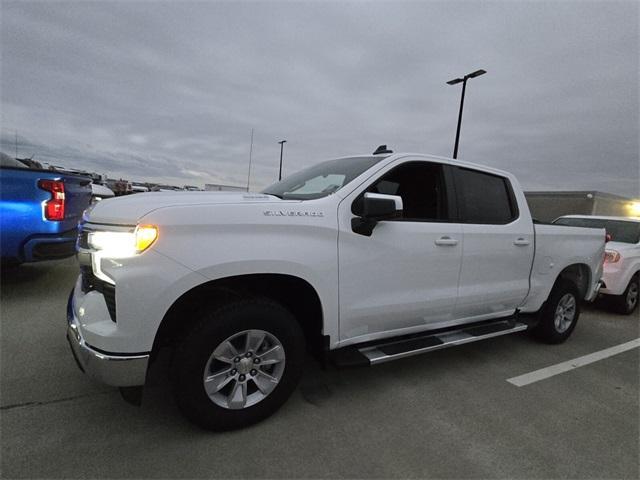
(39, 212)
(360, 260)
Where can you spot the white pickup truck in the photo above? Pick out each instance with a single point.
(362, 260)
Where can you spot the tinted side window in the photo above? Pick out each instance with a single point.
(485, 198)
(421, 186)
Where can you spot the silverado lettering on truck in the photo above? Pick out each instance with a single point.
(362, 260)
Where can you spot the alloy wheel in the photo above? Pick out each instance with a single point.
(565, 313)
(244, 369)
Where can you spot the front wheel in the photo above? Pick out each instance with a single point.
(238, 365)
(628, 301)
(560, 314)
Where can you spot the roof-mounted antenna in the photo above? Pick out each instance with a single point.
(382, 149)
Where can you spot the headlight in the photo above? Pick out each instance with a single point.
(123, 244)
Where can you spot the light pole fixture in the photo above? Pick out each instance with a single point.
(281, 142)
(455, 81)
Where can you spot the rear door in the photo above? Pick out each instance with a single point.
(498, 245)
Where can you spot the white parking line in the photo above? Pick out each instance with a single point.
(559, 368)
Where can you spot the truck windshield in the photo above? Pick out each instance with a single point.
(620, 230)
(322, 179)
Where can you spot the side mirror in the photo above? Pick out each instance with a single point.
(376, 207)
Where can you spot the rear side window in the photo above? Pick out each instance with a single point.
(485, 198)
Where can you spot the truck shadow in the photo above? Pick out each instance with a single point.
(321, 386)
(15, 274)
(31, 279)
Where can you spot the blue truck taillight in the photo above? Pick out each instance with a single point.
(54, 207)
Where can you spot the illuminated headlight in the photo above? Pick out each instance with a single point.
(123, 244)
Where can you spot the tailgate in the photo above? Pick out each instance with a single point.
(77, 191)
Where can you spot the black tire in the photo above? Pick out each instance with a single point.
(214, 327)
(623, 303)
(547, 329)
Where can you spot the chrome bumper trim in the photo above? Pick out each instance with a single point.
(118, 370)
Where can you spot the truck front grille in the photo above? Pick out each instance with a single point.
(89, 282)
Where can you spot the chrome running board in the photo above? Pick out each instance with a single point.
(393, 350)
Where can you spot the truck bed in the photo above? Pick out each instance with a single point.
(556, 247)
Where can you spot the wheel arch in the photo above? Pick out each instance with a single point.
(579, 274)
(293, 292)
(634, 271)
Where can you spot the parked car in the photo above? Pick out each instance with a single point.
(166, 188)
(39, 212)
(361, 260)
(621, 277)
(100, 192)
(138, 187)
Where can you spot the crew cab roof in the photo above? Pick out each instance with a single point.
(435, 158)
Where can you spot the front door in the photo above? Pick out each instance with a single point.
(404, 277)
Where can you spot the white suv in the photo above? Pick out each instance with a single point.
(620, 280)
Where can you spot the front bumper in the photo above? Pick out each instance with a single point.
(118, 370)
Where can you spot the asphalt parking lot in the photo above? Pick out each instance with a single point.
(447, 414)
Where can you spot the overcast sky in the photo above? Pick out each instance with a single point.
(170, 91)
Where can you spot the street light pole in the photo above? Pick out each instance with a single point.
(455, 147)
(455, 81)
(282, 142)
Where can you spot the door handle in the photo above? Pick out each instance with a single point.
(447, 241)
(521, 242)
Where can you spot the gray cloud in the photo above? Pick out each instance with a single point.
(169, 91)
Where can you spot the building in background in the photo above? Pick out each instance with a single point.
(547, 206)
(213, 187)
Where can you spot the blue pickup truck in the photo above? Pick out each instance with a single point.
(39, 211)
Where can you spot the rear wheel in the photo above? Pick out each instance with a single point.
(560, 314)
(628, 301)
(238, 365)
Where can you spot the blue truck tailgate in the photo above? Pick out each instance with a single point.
(26, 232)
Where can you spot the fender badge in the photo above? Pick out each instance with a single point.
(292, 213)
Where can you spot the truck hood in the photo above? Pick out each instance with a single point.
(127, 210)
